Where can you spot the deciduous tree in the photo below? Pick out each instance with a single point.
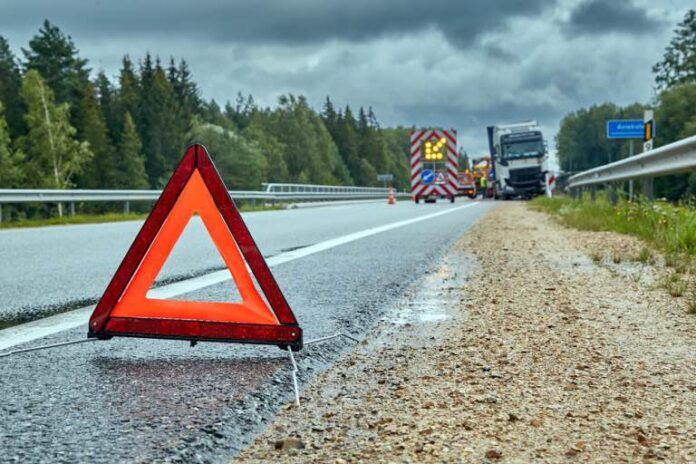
(54, 155)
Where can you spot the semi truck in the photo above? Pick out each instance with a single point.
(519, 159)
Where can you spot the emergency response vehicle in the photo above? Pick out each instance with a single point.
(434, 162)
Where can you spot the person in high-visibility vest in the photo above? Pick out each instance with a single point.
(484, 184)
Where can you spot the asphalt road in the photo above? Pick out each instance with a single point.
(132, 400)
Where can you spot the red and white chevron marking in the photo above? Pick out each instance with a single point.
(451, 184)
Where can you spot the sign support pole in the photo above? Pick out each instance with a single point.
(630, 182)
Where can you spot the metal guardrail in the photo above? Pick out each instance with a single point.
(675, 158)
(276, 187)
(272, 192)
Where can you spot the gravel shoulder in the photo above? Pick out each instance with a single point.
(542, 354)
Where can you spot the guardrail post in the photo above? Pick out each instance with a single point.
(593, 193)
(648, 188)
(0, 213)
(126, 207)
(72, 208)
(613, 196)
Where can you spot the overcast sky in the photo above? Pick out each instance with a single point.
(460, 63)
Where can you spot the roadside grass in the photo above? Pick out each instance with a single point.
(108, 217)
(77, 219)
(666, 227)
(663, 227)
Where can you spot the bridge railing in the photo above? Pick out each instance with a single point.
(675, 158)
(272, 192)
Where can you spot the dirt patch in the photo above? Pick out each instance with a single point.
(547, 357)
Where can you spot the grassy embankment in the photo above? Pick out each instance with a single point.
(664, 227)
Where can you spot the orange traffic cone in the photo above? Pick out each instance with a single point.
(392, 200)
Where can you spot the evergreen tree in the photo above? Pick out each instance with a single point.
(242, 112)
(55, 57)
(128, 95)
(212, 114)
(130, 165)
(10, 160)
(678, 66)
(100, 171)
(370, 150)
(347, 142)
(187, 91)
(10, 85)
(157, 124)
(54, 156)
(108, 105)
(329, 116)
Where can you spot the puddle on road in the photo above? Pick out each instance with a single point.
(435, 298)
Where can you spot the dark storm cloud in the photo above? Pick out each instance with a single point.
(499, 112)
(272, 21)
(604, 16)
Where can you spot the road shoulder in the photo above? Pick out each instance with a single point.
(540, 354)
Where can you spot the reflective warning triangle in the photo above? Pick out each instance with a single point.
(125, 310)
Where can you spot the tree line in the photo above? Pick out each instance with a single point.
(62, 128)
(582, 140)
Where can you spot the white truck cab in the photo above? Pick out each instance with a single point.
(520, 160)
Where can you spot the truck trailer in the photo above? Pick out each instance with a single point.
(519, 159)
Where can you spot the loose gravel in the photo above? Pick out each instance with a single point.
(543, 355)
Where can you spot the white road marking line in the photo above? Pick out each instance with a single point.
(65, 321)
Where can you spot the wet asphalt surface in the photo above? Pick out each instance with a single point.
(134, 400)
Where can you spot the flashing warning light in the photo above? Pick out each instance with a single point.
(125, 309)
(433, 149)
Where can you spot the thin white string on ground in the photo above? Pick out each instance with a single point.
(45, 347)
(339, 334)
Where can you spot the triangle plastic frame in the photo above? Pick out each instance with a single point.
(103, 325)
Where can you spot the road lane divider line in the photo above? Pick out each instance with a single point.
(51, 325)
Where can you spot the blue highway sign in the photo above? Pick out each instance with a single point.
(625, 129)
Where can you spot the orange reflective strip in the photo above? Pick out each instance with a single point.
(195, 198)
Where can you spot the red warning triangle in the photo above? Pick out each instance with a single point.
(125, 310)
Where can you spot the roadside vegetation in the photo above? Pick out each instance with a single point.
(64, 125)
(667, 227)
(582, 141)
(663, 227)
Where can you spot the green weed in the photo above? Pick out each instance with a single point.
(664, 226)
(674, 285)
(645, 256)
